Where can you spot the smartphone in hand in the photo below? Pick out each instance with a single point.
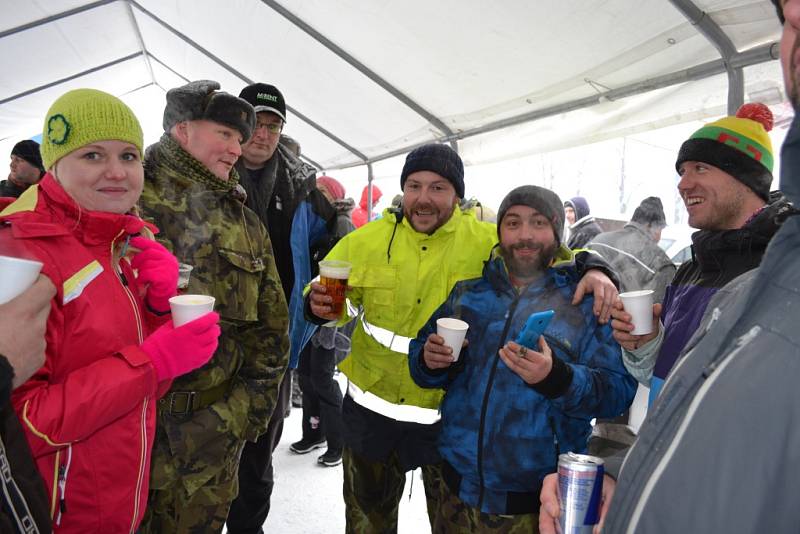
(534, 327)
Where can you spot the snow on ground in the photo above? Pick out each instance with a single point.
(307, 499)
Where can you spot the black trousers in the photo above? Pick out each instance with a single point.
(250, 509)
(322, 396)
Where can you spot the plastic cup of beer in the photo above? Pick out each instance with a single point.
(187, 308)
(16, 275)
(184, 271)
(639, 304)
(333, 274)
(453, 331)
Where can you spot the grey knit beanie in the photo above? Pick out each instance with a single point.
(651, 213)
(542, 200)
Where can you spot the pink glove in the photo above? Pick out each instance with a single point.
(176, 351)
(159, 268)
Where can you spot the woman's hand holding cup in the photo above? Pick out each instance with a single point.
(158, 268)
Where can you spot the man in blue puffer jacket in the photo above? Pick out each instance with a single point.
(510, 410)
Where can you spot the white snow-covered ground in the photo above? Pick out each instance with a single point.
(307, 499)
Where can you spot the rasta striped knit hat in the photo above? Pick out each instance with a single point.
(738, 145)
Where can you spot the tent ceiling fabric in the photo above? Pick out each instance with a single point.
(464, 62)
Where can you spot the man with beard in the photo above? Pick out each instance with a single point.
(504, 410)
(725, 171)
(722, 435)
(26, 169)
(403, 267)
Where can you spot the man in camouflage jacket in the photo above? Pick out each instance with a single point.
(191, 193)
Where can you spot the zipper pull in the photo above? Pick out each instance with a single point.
(62, 482)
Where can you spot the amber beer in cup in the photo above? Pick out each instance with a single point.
(333, 274)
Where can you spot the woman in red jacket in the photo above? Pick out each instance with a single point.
(89, 412)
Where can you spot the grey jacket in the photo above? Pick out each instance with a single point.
(638, 260)
(719, 450)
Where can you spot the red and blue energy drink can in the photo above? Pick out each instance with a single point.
(580, 490)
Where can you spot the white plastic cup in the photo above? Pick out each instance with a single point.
(453, 331)
(16, 275)
(187, 308)
(639, 304)
(184, 272)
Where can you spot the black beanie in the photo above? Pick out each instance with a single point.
(29, 151)
(542, 200)
(650, 212)
(437, 158)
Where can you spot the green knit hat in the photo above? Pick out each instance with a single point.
(738, 145)
(84, 116)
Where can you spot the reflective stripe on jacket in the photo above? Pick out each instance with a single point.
(89, 412)
(499, 434)
(401, 276)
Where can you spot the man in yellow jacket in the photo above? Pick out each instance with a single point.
(403, 267)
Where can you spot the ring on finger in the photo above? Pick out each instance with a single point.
(523, 351)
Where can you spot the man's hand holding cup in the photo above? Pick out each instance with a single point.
(437, 355)
(327, 298)
(321, 302)
(622, 326)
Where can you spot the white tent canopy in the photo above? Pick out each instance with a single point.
(367, 80)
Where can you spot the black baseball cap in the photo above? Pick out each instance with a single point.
(265, 97)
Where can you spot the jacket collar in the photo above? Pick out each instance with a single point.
(561, 272)
(640, 228)
(586, 219)
(169, 158)
(790, 162)
(714, 249)
(47, 210)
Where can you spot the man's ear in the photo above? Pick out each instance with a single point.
(181, 133)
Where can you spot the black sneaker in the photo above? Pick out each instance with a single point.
(306, 445)
(331, 458)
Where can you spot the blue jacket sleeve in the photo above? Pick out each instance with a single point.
(601, 386)
(307, 227)
(422, 375)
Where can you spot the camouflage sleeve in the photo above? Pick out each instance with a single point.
(266, 349)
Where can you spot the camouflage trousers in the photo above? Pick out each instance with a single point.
(372, 493)
(171, 508)
(456, 517)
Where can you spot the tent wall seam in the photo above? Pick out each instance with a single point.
(140, 40)
(244, 78)
(69, 78)
(752, 56)
(712, 31)
(54, 18)
(363, 69)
